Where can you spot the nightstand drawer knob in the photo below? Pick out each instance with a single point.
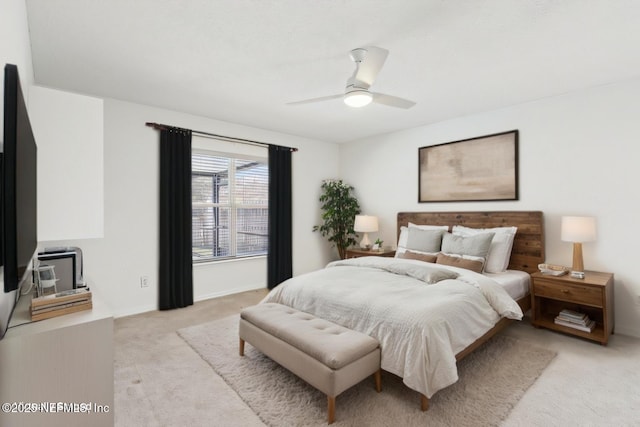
(564, 291)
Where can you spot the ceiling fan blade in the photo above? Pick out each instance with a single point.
(312, 100)
(392, 101)
(371, 65)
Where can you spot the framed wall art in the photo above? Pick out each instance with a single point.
(476, 169)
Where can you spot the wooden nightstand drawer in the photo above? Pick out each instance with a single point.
(579, 294)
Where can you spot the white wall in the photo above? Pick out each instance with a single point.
(129, 249)
(69, 132)
(578, 156)
(15, 48)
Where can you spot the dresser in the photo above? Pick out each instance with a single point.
(61, 367)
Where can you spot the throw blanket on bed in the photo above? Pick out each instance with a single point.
(422, 314)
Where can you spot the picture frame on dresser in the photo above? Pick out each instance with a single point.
(64, 265)
(483, 168)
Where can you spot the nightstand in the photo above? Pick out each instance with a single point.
(592, 295)
(357, 252)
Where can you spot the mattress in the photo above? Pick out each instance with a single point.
(515, 282)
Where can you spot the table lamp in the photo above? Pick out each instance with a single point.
(578, 230)
(365, 224)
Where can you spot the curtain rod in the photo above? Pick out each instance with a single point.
(160, 126)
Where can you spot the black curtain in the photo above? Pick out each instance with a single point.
(279, 260)
(176, 264)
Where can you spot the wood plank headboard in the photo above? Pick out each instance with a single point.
(528, 245)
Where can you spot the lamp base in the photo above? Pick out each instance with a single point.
(365, 243)
(577, 269)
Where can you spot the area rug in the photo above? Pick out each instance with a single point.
(492, 380)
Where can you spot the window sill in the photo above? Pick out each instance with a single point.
(211, 262)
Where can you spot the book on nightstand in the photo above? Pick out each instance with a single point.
(575, 320)
(574, 316)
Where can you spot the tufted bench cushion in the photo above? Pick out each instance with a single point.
(333, 345)
(330, 357)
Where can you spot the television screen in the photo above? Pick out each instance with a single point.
(19, 184)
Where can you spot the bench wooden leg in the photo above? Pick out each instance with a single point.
(424, 402)
(241, 347)
(331, 409)
(378, 377)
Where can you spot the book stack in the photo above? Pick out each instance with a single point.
(61, 303)
(575, 320)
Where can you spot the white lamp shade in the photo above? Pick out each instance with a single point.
(366, 223)
(578, 229)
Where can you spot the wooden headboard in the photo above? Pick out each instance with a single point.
(528, 245)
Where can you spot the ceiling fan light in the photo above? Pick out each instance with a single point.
(358, 98)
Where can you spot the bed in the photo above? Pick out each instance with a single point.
(424, 330)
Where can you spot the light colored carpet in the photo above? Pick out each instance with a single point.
(492, 380)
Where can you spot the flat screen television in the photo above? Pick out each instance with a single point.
(19, 185)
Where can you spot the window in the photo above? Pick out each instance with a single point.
(230, 201)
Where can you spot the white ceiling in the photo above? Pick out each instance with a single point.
(242, 60)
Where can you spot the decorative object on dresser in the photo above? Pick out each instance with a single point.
(553, 269)
(558, 300)
(377, 245)
(68, 263)
(365, 224)
(45, 279)
(357, 252)
(60, 303)
(578, 230)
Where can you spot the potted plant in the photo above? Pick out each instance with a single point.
(377, 245)
(339, 208)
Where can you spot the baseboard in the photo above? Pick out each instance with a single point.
(236, 290)
(631, 332)
(130, 311)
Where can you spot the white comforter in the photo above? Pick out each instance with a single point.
(420, 326)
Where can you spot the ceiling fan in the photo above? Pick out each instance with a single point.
(369, 62)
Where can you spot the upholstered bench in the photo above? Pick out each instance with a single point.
(328, 356)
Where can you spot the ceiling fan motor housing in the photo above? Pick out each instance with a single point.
(358, 54)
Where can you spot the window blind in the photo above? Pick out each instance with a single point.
(230, 206)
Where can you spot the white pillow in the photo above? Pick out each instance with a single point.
(424, 240)
(501, 245)
(429, 227)
(402, 240)
(477, 245)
